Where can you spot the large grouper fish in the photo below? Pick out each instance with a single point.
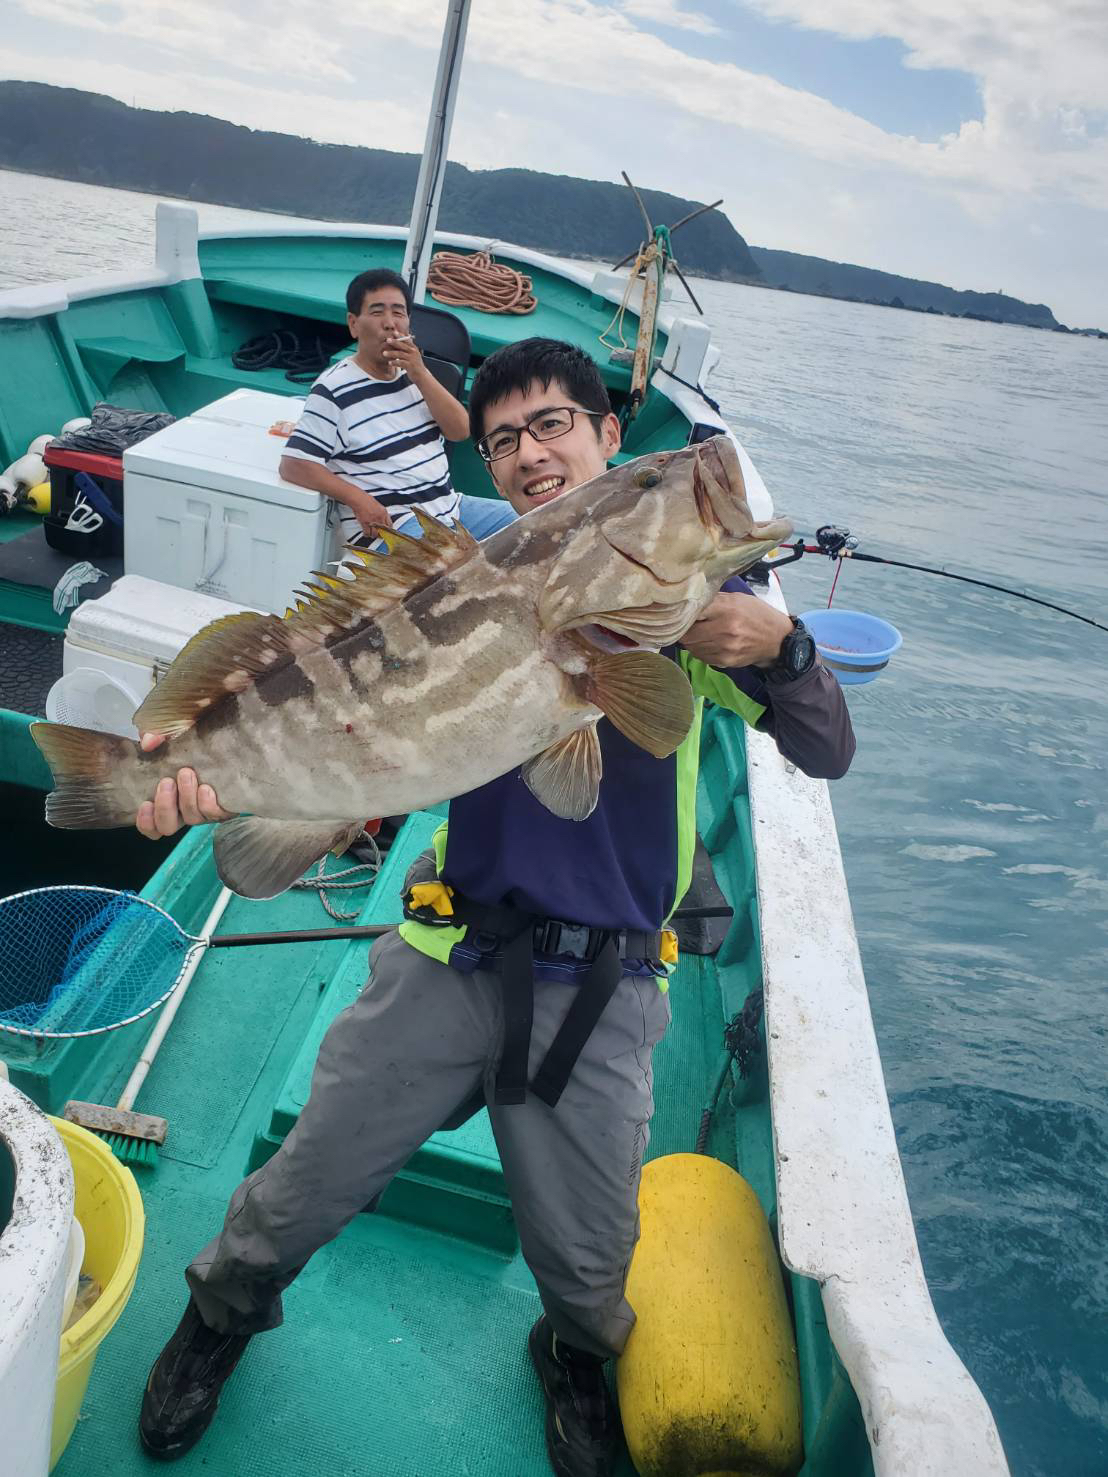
(432, 669)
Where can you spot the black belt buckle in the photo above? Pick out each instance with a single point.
(552, 936)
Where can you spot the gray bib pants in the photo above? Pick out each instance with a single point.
(419, 1042)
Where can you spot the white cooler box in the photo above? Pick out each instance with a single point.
(117, 647)
(205, 509)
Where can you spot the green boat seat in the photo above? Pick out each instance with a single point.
(105, 357)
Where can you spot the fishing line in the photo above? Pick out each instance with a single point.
(836, 549)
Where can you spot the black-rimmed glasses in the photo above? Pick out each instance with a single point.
(546, 426)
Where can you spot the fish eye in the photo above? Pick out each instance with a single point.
(648, 477)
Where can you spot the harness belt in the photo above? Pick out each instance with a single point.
(519, 935)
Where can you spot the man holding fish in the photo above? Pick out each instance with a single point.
(534, 935)
(370, 436)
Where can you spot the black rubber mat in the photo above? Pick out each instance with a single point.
(29, 560)
(30, 664)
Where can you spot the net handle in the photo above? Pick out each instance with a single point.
(375, 930)
(301, 936)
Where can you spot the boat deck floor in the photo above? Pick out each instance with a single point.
(403, 1352)
(30, 664)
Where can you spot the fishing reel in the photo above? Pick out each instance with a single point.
(832, 541)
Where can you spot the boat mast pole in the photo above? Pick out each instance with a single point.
(425, 208)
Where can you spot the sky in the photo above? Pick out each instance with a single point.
(962, 141)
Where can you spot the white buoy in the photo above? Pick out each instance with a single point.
(36, 1214)
(28, 471)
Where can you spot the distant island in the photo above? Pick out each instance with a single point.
(791, 272)
(82, 136)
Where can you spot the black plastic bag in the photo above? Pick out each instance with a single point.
(113, 429)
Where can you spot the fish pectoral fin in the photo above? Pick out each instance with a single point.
(646, 696)
(261, 858)
(566, 776)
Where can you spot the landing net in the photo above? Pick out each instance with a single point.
(75, 961)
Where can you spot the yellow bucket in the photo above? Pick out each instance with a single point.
(109, 1207)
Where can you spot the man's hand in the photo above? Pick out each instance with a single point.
(450, 415)
(737, 630)
(176, 804)
(402, 350)
(369, 512)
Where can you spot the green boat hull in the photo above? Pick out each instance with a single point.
(404, 1346)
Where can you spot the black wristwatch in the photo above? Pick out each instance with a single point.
(797, 654)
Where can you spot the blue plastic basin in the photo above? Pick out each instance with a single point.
(855, 646)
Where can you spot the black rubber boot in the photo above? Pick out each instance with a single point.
(582, 1425)
(183, 1389)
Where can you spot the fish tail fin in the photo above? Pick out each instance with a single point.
(86, 767)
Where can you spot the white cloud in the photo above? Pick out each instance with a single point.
(1057, 49)
(1041, 66)
(245, 43)
(669, 13)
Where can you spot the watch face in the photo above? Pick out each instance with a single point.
(802, 652)
(798, 651)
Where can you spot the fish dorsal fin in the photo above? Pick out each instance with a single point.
(233, 652)
(225, 657)
(330, 607)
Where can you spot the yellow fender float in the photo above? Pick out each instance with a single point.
(708, 1383)
(37, 499)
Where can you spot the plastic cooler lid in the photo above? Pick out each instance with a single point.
(144, 620)
(218, 456)
(252, 408)
(84, 461)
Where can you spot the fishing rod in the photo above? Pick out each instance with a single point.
(840, 543)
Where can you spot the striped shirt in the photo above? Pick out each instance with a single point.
(379, 435)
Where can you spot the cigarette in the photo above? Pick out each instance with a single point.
(403, 338)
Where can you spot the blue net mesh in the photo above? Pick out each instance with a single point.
(77, 960)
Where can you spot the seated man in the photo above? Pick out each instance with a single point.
(571, 1124)
(371, 433)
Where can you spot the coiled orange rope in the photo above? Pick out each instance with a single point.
(476, 281)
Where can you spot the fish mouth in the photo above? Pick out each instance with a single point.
(719, 490)
(720, 495)
(603, 638)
